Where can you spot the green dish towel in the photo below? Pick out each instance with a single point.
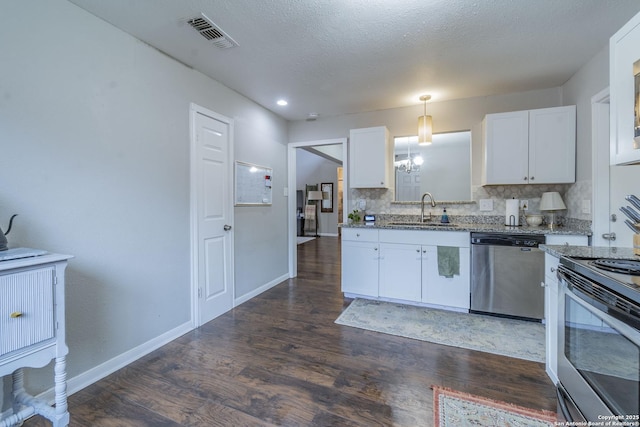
(448, 261)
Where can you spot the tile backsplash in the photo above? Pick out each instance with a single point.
(380, 201)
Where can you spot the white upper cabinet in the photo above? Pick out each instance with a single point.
(370, 158)
(506, 148)
(624, 66)
(530, 147)
(552, 145)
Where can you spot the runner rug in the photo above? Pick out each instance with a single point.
(507, 337)
(456, 409)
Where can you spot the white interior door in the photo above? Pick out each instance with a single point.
(212, 214)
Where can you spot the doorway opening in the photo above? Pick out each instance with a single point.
(299, 151)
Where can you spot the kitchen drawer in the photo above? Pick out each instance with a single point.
(567, 239)
(360, 234)
(26, 309)
(460, 239)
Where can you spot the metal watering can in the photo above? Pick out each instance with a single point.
(3, 239)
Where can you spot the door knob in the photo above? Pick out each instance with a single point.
(609, 236)
(227, 227)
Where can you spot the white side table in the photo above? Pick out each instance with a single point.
(32, 332)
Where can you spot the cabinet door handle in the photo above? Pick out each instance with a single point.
(553, 270)
(532, 178)
(16, 314)
(525, 178)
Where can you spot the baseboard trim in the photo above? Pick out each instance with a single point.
(95, 374)
(261, 289)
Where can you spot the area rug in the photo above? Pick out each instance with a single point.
(456, 409)
(302, 240)
(507, 337)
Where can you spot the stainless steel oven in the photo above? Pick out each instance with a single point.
(598, 343)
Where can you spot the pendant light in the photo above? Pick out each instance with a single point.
(425, 126)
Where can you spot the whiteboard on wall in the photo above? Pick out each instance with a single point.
(252, 184)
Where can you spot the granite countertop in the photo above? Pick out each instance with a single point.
(589, 252)
(471, 227)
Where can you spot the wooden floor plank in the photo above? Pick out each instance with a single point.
(279, 359)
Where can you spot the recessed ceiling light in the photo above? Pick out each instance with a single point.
(282, 102)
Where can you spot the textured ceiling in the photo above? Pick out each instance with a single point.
(334, 57)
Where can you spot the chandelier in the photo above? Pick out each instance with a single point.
(412, 164)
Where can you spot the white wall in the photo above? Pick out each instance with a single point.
(94, 138)
(589, 80)
(592, 78)
(313, 169)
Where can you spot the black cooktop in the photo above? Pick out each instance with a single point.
(623, 266)
(619, 275)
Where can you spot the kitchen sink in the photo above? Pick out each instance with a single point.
(422, 224)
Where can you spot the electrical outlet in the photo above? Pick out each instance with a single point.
(586, 206)
(524, 205)
(486, 204)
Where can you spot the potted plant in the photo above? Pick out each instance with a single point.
(354, 216)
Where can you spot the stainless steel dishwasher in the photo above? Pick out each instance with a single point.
(506, 275)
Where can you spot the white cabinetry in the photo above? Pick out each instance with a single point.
(370, 158)
(400, 271)
(567, 239)
(409, 268)
(32, 332)
(446, 291)
(360, 256)
(624, 57)
(530, 147)
(551, 315)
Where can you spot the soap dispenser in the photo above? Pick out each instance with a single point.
(444, 218)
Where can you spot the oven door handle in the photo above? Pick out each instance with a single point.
(561, 274)
(562, 396)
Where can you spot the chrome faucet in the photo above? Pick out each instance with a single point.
(433, 204)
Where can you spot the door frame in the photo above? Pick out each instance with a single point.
(600, 163)
(194, 110)
(291, 193)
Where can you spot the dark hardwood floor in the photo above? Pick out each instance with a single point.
(279, 359)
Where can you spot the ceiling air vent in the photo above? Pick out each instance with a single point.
(210, 31)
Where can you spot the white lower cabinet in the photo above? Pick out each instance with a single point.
(405, 263)
(360, 258)
(441, 290)
(551, 315)
(400, 271)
